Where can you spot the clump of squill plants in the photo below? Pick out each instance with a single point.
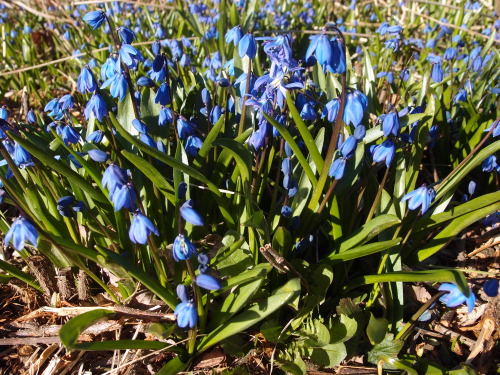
(331, 151)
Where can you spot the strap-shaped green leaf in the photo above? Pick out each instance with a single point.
(70, 332)
(362, 251)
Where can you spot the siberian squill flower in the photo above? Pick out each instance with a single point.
(183, 249)
(355, 107)
(186, 313)
(86, 81)
(455, 297)
(141, 228)
(247, 46)
(96, 106)
(21, 231)
(384, 152)
(189, 214)
(421, 197)
(95, 18)
(114, 177)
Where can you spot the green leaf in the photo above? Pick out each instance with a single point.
(23, 276)
(343, 329)
(150, 111)
(254, 314)
(173, 367)
(441, 276)
(125, 114)
(377, 329)
(241, 154)
(387, 347)
(52, 163)
(368, 231)
(208, 142)
(330, 355)
(295, 148)
(305, 133)
(70, 331)
(361, 251)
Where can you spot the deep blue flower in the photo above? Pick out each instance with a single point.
(31, 117)
(184, 128)
(163, 95)
(96, 106)
(455, 297)
(69, 135)
(141, 228)
(307, 113)
(139, 126)
(66, 102)
(234, 35)
(490, 287)
(165, 116)
(496, 131)
(182, 292)
(181, 191)
(186, 314)
(247, 46)
(146, 138)
(21, 156)
(437, 72)
(404, 75)
(286, 211)
(124, 196)
(356, 105)
(183, 249)
(65, 202)
(114, 177)
(450, 53)
(208, 282)
(337, 168)
(96, 136)
(420, 198)
(129, 56)
(461, 96)
(108, 68)
(53, 109)
(127, 36)
(331, 110)
(489, 164)
(146, 82)
(79, 206)
(21, 231)
(189, 214)
(384, 152)
(95, 18)
(193, 145)
(118, 86)
(86, 81)
(348, 148)
(98, 155)
(390, 124)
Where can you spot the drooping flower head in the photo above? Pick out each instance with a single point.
(21, 231)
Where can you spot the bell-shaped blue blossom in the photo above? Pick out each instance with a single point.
(31, 117)
(146, 138)
(184, 128)
(53, 109)
(86, 81)
(455, 297)
(98, 155)
(286, 211)
(384, 152)
(205, 96)
(183, 249)
(140, 126)
(390, 124)
(489, 164)
(186, 314)
(331, 110)
(189, 214)
(182, 292)
(234, 35)
(21, 156)
(96, 136)
(95, 18)
(114, 177)
(496, 130)
(108, 68)
(208, 282)
(450, 53)
(193, 145)
(21, 231)
(117, 86)
(247, 46)
(124, 196)
(461, 96)
(404, 75)
(126, 35)
(308, 113)
(97, 107)
(420, 198)
(141, 228)
(163, 95)
(337, 168)
(69, 135)
(129, 56)
(215, 114)
(165, 116)
(490, 287)
(145, 82)
(356, 105)
(348, 148)
(66, 102)
(437, 72)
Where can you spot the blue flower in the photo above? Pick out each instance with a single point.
(139, 126)
(384, 152)
(124, 196)
(141, 228)
(184, 128)
(193, 145)
(337, 168)
(163, 95)
(307, 112)
(437, 72)
(356, 105)
(490, 287)
(129, 56)
(181, 190)
(455, 297)
(390, 124)
(21, 156)
(86, 81)
(31, 117)
(118, 86)
(66, 102)
(349, 147)
(21, 231)
(165, 116)
(331, 110)
(69, 135)
(189, 214)
(247, 46)
(234, 35)
(96, 136)
(286, 211)
(98, 155)
(146, 138)
(127, 36)
(95, 18)
(96, 106)
(114, 177)
(186, 314)
(208, 282)
(421, 197)
(489, 164)
(183, 249)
